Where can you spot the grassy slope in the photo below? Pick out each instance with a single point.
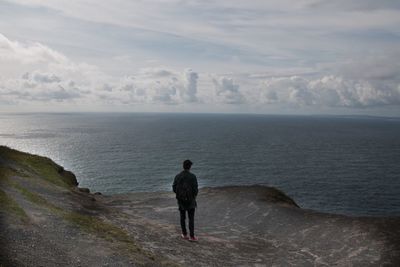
(36, 169)
(33, 164)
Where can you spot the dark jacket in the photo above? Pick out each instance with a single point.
(192, 180)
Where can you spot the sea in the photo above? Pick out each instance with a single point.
(339, 164)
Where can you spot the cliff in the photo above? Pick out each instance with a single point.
(46, 220)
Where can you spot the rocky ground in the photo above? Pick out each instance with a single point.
(46, 220)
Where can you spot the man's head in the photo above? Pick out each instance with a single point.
(187, 164)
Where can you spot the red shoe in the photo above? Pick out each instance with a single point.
(193, 239)
(184, 236)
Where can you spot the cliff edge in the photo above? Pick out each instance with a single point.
(46, 220)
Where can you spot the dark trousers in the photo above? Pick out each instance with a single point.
(191, 221)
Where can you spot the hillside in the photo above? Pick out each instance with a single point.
(47, 220)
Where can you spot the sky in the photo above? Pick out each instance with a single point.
(270, 57)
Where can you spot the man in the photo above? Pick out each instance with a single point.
(185, 187)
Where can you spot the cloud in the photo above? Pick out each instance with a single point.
(381, 67)
(14, 51)
(49, 76)
(328, 91)
(260, 32)
(42, 77)
(41, 87)
(154, 86)
(35, 73)
(357, 4)
(208, 36)
(227, 91)
(188, 93)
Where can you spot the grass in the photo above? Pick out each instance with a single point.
(6, 173)
(42, 166)
(35, 198)
(48, 170)
(9, 205)
(102, 229)
(87, 223)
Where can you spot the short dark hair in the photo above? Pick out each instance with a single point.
(187, 164)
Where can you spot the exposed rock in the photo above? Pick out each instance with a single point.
(68, 176)
(84, 189)
(97, 194)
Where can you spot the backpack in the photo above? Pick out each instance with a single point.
(184, 190)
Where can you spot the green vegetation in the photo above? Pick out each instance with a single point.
(11, 206)
(42, 166)
(46, 168)
(112, 233)
(35, 198)
(6, 173)
(23, 165)
(102, 229)
(87, 223)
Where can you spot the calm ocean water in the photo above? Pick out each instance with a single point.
(348, 165)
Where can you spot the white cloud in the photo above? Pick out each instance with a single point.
(28, 54)
(40, 87)
(156, 85)
(356, 4)
(42, 77)
(227, 91)
(189, 91)
(43, 74)
(33, 72)
(328, 91)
